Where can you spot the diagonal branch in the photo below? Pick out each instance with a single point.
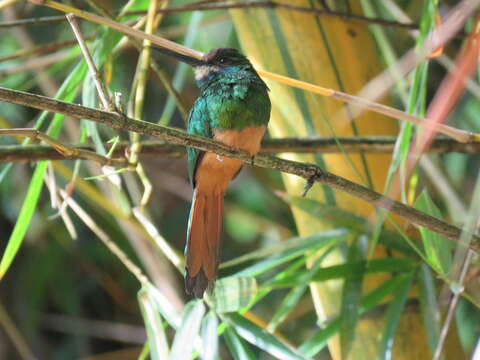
(312, 173)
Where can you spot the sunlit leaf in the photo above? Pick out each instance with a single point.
(210, 336)
(237, 346)
(152, 319)
(233, 293)
(187, 333)
(316, 343)
(293, 248)
(263, 339)
(341, 271)
(437, 248)
(294, 295)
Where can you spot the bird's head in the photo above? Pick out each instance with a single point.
(222, 61)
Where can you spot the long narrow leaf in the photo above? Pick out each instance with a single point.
(157, 339)
(351, 296)
(23, 221)
(210, 336)
(341, 271)
(310, 243)
(237, 346)
(296, 293)
(262, 339)
(316, 343)
(187, 333)
(233, 293)
(392, 318)
(437, 248)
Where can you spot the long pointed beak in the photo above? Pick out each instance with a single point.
(190, 60)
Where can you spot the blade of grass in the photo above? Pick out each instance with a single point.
(285, 246)
(210, 337)
(351, 296)
(187, 333)
(316, 343)
(237, 346)
(294, 295)
(416, 105)
(165, 308)
(329, 213)
(429, 306)
(392, 318)
(152, 319)
(67, 93)
(310, 243)
(341, 271)
(262, 339)
(437, 248)
(233, 293)
(181, 73)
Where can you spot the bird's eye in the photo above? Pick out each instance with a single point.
(222, 60)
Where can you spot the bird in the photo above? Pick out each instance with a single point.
(233, 107)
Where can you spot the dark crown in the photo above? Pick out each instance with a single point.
(225, 56)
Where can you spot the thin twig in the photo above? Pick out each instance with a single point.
(141, 77)
(159, 148)
(33, 21)
(36, 63)
(67, 152)
(228, 5)
(173, 256)
(88, 221)
(41, 49)
(307, 171)
(102, 93)
(452, 306)
(11, 330)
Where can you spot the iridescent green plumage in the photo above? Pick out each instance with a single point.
(232, 97)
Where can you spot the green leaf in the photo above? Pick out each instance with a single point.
(237, 346)
(351, 296)
(392, 318)
(285, 251)
(316, 343)
(437, 247)
(293, 297)
(182, 70)
(163, 306)
(329, 213)
(233, 293)
(262, 339)
(427, 295)
(210, 336)
(157, 340)
(66, 92)
(23, 221)
(341, 271)
(188, 332)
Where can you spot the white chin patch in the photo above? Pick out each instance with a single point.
(201, 72)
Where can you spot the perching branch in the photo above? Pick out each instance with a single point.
(314, 144)
(310, 172)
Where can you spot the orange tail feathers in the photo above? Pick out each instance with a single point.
(203, 242)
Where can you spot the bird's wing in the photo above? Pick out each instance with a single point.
(198, 124)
